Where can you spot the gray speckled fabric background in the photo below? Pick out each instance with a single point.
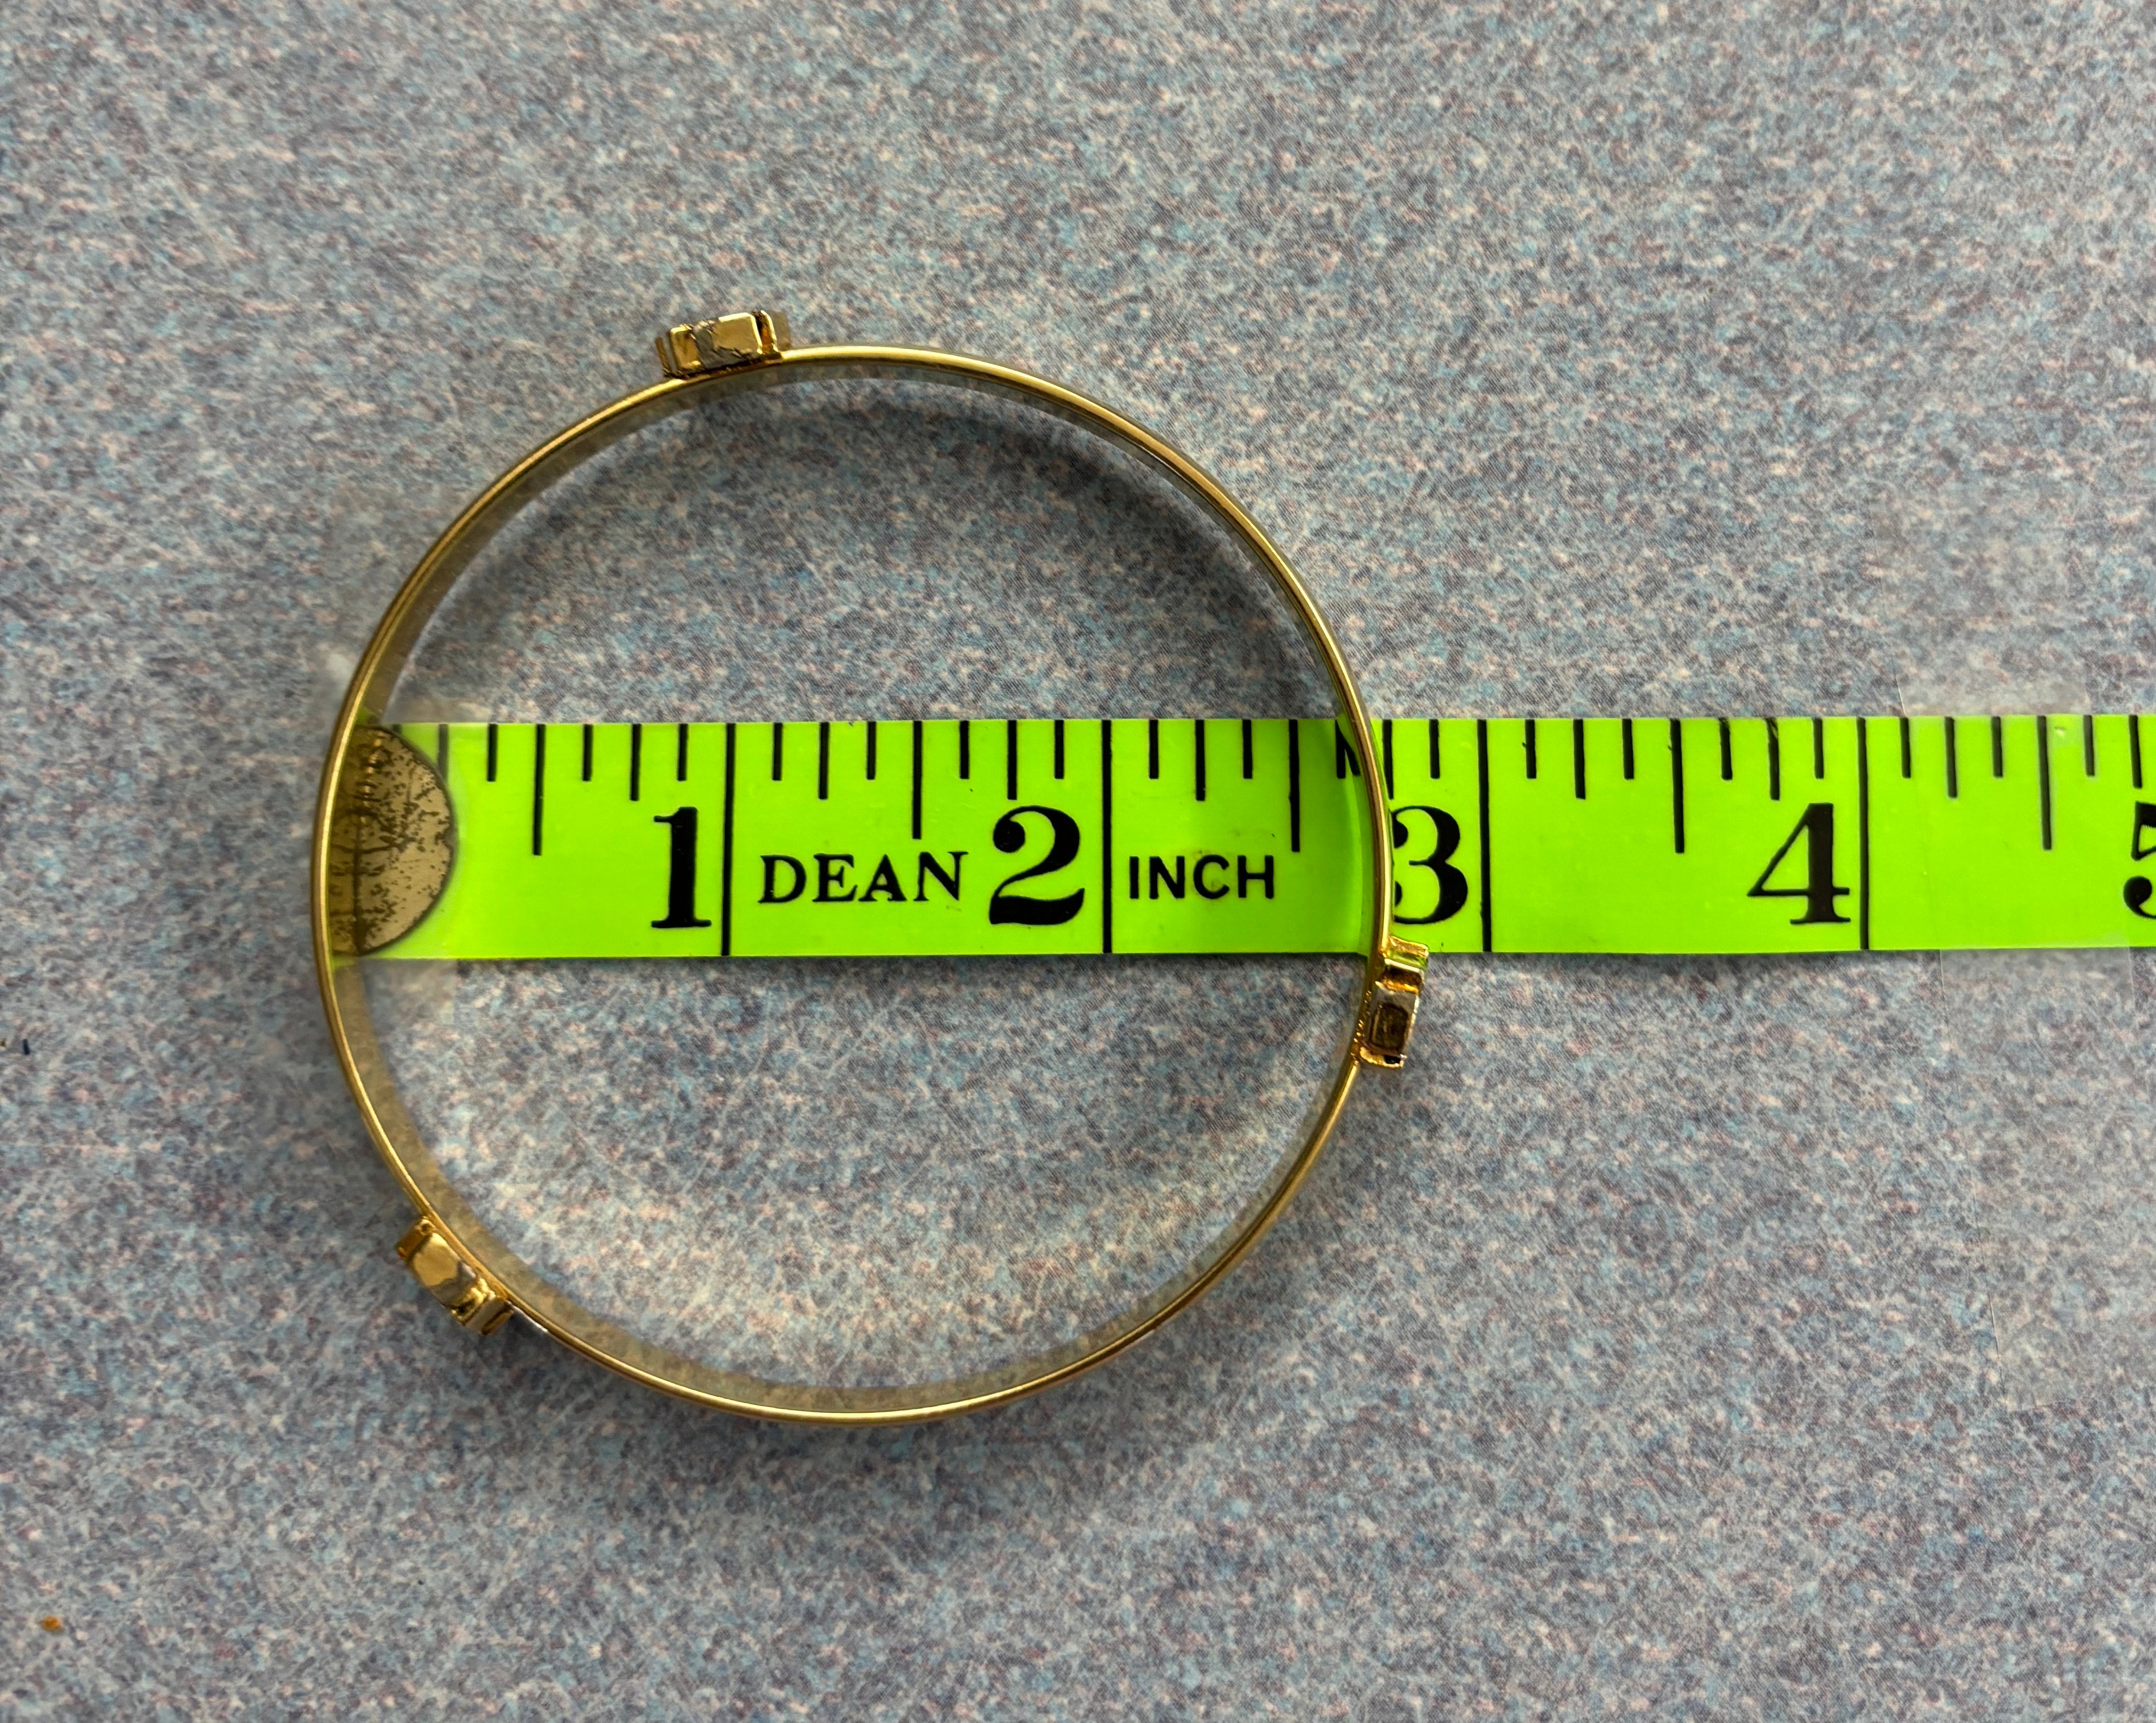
(1754, 1338)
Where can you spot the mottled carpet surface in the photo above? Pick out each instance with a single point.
(1760, 1338)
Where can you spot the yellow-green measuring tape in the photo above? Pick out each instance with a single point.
(964, 837)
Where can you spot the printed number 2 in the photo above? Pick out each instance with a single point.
(1009, 837)
(1818, 891)
(1452, 883)
(2139, 890)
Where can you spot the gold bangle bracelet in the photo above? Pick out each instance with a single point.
(465, 1266)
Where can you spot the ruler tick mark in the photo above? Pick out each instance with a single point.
(824, 760)
(1908, 760)
(1628, 750)
(1010, 759)
(1863, 835)
(1579, 759)
(1676, 779)
(1294, 787)
(1059, 749)
(1728, 764)
(1482, 832)
(2088, 745)
(727, 854)
(493, 740)
(1529, 738)
(872, 750)
(1773, 759)
(1388, 758)
(1249, 749)
(1818, 747)
(587, 753)
(2043, 773)
(1107, 837)
(538, 783)
(1152, 747)
(1436, 765)
(1954, 761)
(917, 780)
(965, 748)
(681, 754)
(1198, 735)
(441, 748)
(778, 753)
(635, 763)
(2134, 745)
(1998, 746)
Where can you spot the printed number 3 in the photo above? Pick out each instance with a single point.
(1452, 883)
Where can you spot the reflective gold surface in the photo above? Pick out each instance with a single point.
(366, 789)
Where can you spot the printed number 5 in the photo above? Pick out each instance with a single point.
(2139, 890)
(1452, 883)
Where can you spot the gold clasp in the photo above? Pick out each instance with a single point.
(454, 1283)
(721, 343)
(1389, 1009)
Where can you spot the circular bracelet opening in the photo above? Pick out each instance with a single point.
(853, 1187)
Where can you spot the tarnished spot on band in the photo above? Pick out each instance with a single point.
(393, 839)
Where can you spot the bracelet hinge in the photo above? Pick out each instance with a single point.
(721, 343)
(1389, 1009)
(454, 1283)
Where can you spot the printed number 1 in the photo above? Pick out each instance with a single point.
(680, 869)
(1818, 891)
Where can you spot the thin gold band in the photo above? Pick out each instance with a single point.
(473, 1272)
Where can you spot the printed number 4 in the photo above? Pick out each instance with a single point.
(1818, 891)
